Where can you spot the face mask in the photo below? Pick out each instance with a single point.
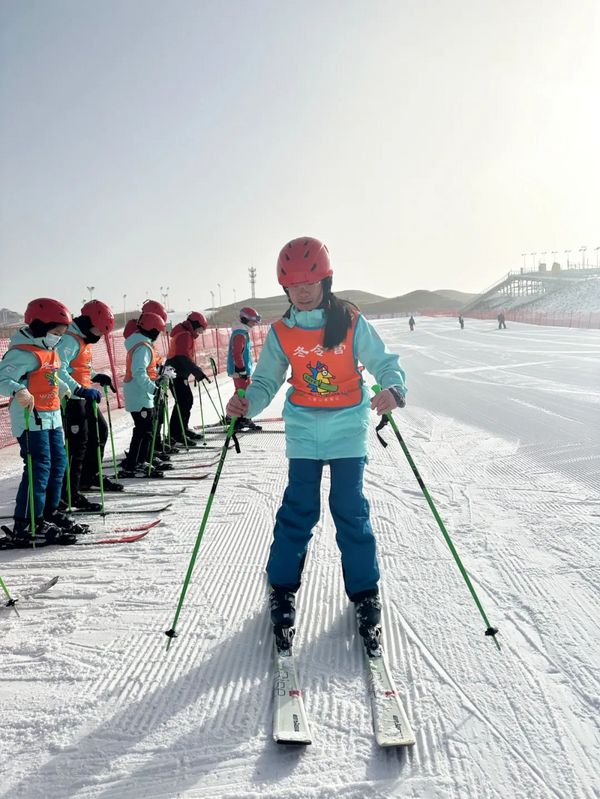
(51, 340)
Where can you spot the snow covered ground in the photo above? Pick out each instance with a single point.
(505, 428)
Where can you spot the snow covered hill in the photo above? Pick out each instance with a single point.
(504, 426)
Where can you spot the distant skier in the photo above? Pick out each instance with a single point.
(461, 321)
(182, 358)
(411, 323)
(29, 374)
(501, 321)
(239, 358)
(322, 427)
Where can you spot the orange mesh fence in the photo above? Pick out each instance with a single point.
(109, 356)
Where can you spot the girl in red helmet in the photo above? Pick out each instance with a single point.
(182, 358)
(239, 358)
(75, 350)
(322, 339)
(29, 375)
(139, 390)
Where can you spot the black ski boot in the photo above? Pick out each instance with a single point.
(81, 502)
(163, 466)
(192, 436)
(66, 523)
(54, 534)
(283, 613)
(107, 484)
(368, 617)
(242, 423)
(20, 536)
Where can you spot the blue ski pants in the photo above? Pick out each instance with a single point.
(300, 511)
(49, 462)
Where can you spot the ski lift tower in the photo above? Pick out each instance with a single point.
(252, 273)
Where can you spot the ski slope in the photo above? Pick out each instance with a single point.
(504, 426)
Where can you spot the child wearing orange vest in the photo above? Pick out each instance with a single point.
(326, 414)
(29, 374)
(139, 389)
(75, 351)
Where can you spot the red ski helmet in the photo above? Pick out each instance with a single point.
(248, 314)
(196, 316)
(99, 315)
(48, 311)
(151, 321)
(154, 306)
(304, 260)
(130, 328)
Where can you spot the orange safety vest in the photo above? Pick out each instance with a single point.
(43, 381)
(151, 369)
(81, 365)
(321, 378)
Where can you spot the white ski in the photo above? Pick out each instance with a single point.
(390, 722)
(30, 592)
(290, 723)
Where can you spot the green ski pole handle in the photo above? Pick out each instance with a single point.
(492, 631)
(30, 477)
(110, 430)
(99, 455)
(172, 632)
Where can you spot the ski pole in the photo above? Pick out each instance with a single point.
(201, 414)
(214, 370)
(154, 426)
(100, 476)
(230, 435)
(489, 629)
(30, 477)
(11, 602)
(165, 422)
(212, 402)
(110, 430)
(179, 416)
(67, 453)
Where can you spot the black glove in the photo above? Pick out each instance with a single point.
(199, 375)
(241, 371)
(104, 380)
(88, 393)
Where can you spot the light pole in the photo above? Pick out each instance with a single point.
(212, 299)
(567, 252)
(597, 248)
(235, 298)
(582, 251)
(533, 254)
(91, 290)
(124, 309)
(523, 256)
(553, 254)
(220, 300)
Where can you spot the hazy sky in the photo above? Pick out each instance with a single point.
(427, 142)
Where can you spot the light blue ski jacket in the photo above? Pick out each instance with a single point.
(324, 434)
(14, 370)
(139, 392)
(68, 348)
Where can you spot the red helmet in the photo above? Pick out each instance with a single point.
(249, 314)
(154, 306)
(151, 321)
(196, 316)
(303, 260)
(130, 328)
(48, 311)
(99, 315)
